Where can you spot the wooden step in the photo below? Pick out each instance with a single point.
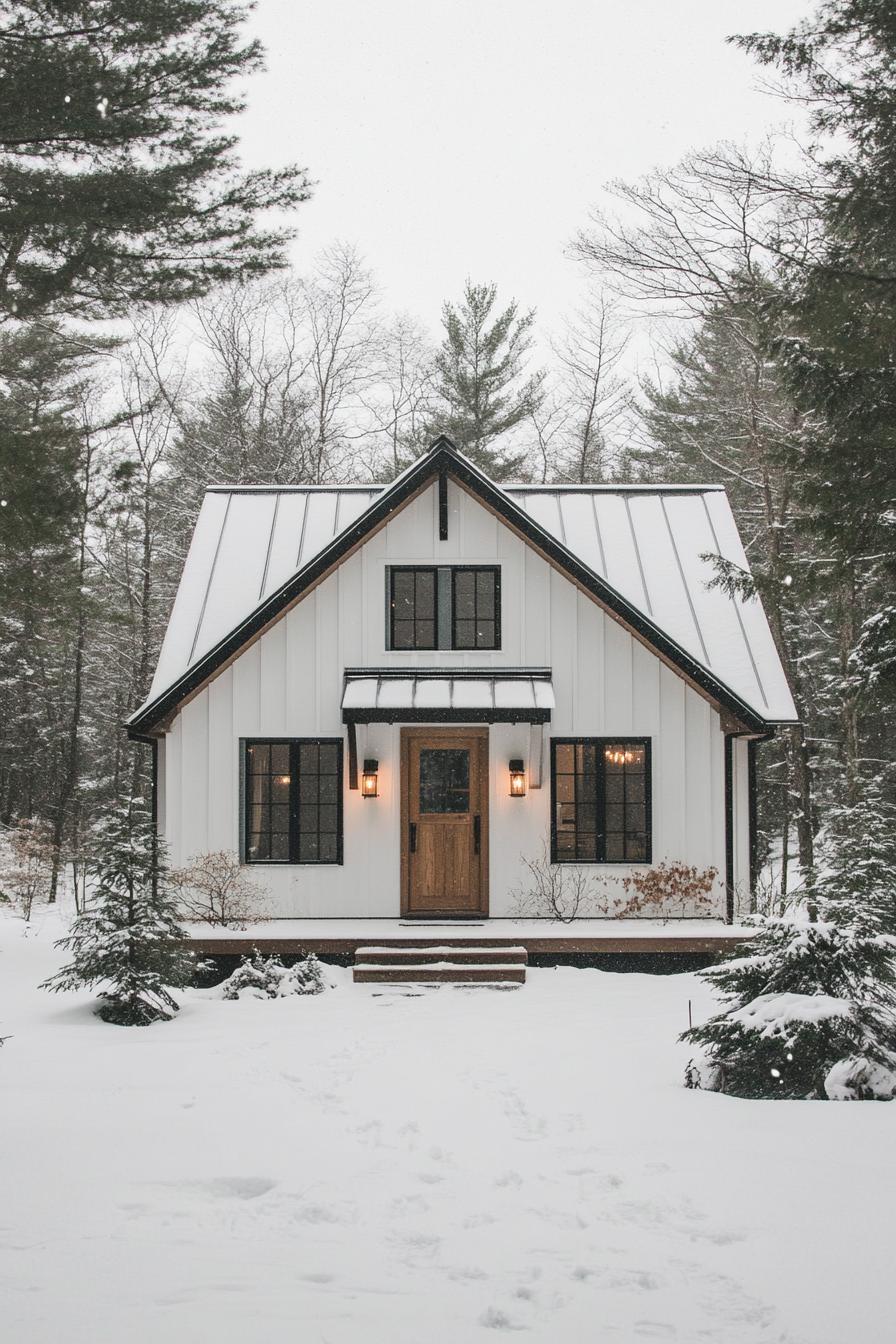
(439, 972)
(461, 962)
(463, 956)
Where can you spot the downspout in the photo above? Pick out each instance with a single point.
(752, 820)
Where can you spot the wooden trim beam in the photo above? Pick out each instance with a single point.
(569, 944)
(443, 505)
(352, 756)
(536, 755)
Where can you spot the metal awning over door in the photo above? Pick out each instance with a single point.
(447, 695)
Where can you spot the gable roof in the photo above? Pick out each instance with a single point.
(637, 549)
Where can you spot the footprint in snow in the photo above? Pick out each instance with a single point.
(495, 1319)
(641, 1279)
(235, 1187)
(477, 1220)
(464, 1272)
(318, 1213)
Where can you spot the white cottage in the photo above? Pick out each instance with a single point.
(386, 698)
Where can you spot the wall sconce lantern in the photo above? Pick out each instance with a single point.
(517, 779)
(369, 776)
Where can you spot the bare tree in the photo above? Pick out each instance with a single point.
(699, 243)
(592, 390)
(553, 890)
(279, 396)
(214, 887)
(27, 868)
(550, 422)
(401, 403)
(344, 356)
(696, 234)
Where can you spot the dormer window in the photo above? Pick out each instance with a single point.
(474, 623)
(444, 607)
(414, 608)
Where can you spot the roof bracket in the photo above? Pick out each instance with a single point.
(352, 756)
(443, 505)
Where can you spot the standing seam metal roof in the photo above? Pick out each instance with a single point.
(650, 543)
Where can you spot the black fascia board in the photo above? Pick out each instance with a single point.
(443, 456)
(409, 714)
(445, 673)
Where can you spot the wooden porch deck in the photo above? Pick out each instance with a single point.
(585, 937)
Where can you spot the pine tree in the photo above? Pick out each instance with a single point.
(725, 414)
(118, 184)
(128, 940)
(840, 276)
(811, 1001)
(480, 378)
(43, 376)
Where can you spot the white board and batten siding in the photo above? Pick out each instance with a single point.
(289, 683)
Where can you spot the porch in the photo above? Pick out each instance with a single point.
(583, 938)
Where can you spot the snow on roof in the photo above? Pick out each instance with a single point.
(488, 690)
(648, 542)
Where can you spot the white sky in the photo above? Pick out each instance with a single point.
(470, 137)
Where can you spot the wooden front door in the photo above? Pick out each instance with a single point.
(444, 821)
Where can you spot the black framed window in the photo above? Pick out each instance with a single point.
(476, 608)
(413, 608)
(444, 607)
(293, 790)
(600, 800)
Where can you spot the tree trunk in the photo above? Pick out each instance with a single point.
(71, 769)
(849, 704)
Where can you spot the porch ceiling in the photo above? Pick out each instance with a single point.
(448, 695)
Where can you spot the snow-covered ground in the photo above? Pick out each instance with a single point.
(444, 1167)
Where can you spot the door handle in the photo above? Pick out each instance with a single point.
(412, 837)
(477, 833)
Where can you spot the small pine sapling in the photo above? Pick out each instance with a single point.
(259, 977)
(128, 940)
(811, 1000)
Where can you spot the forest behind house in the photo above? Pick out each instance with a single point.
(154, 340)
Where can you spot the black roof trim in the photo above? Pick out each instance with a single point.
(443, 456)
(454, 673)
(409, 714)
